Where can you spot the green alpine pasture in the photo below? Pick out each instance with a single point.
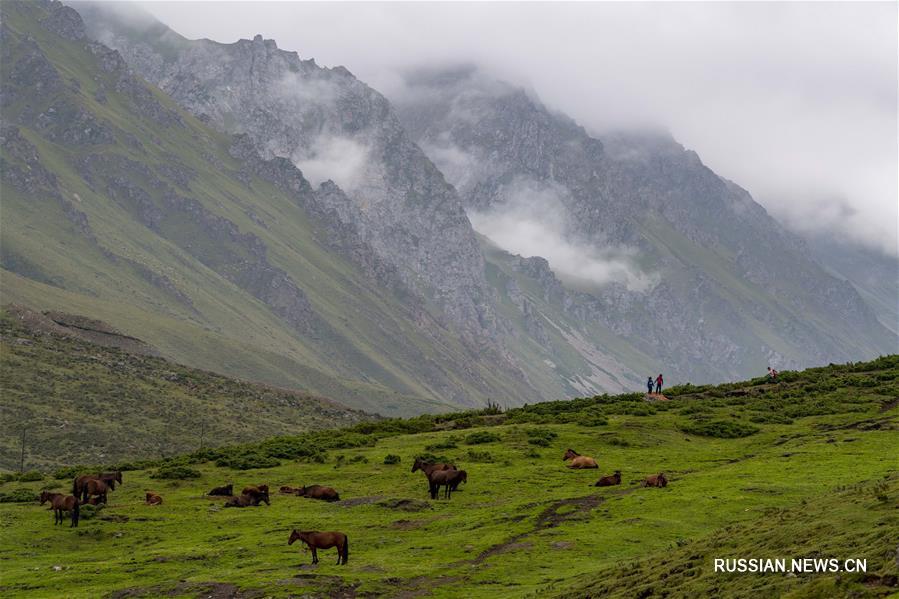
(808, 467)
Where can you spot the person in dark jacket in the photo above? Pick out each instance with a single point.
(659, 381)
(649, 385)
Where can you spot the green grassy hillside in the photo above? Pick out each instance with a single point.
(119, 206)
(804, 468)
(80, 402)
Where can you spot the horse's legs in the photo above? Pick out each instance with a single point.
(314, 555)
(339, 555)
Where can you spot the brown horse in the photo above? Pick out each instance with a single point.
(323, 540)
(579, 461)
(248, 500)
(609, 481)
(318, 492)
(227, 491)
(288, 490)
(255, 489)
(428, 467)
(656, 480)
(80, 483)
(153, 499)
(60, 504)
(453, 479)
(95, 486)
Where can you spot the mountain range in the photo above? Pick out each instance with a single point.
(247, 211)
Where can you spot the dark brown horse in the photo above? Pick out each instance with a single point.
(227, 491)
(153, 499)
(248, 500)
(323, 540)
(98, 487)
(80, 483)
(428, 467)
(318, 492)
(255, 489)
(288, 490)
(609, 481)
(60, 504)
(579, 461)
(453, 479)
(656, 480)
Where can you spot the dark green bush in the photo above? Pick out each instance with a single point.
(30, 476)
(175, 472)
(722, 429)
(480, 437)
(392, 459)
(479, 456)
(430, 458)
(87, 512)
(18, 496)
(247, 461)
(619, 442)
(449, 443)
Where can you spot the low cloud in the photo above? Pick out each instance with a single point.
(330, 157)
(532, 221)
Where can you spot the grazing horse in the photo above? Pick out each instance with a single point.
(609, 481)
(255, 489)
(248, 500)
(227, 491)
(323, 540)
(656, 480)
(80, 483)
(579, 461)
(60, 504)
(153, 499)
(288, 490)
(318, 492)
(453, 479)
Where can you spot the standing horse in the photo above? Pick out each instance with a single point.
(579, 461)
(80, 483)
(60, 504)
(95, 486)
(428, 467)
(453, 479)
(323, 540)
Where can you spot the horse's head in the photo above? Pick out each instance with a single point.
(300, 491)
(570, 454)
(45, 496)
(294, 536)
(417, 465)
(463, 476)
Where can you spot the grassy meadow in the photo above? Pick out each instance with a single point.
(805, 468)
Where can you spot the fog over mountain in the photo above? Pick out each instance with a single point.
(784, 98)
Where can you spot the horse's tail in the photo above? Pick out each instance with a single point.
(76, 512)
(75, 486)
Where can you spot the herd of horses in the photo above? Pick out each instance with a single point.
(94, 488)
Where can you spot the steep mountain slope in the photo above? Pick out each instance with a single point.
(688, 268)
(119, 205)
(103, 398)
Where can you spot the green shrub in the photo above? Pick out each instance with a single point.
(540, 441)
(480, 437)
(594, 419)
(175, 472)
(449, 443)
(540, 436)
(30, 476)
(479, 456)
(619, 442)
(18, 496)
(532, 453)
(247, 461)
(722, 429)
(87, 512)
(392, 459)
(430, 458)
(358, 459)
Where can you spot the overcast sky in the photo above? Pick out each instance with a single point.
(796, 102)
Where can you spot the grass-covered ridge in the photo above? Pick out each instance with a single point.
(819, 477)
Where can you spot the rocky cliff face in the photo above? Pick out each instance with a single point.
(334, 128)
(723, 285)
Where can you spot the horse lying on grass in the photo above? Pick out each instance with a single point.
(609, 481)
(252, 499)
(226, 491)
(318, 492)
(656, 480)
(579, 461)
(322, 540)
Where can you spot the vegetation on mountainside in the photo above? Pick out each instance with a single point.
(823, 484)
(77, 402)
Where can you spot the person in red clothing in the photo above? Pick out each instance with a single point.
(659, 381)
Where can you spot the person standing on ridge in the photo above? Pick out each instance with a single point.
(659, 382)
(649, 385)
